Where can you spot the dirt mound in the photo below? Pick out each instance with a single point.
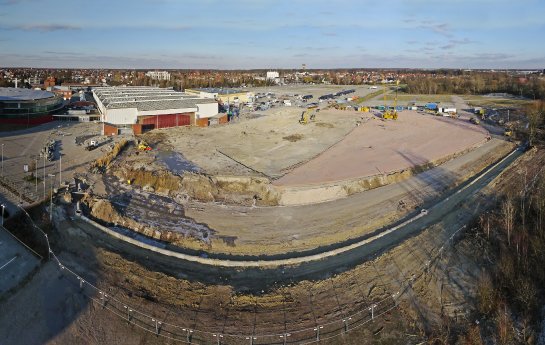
(105, 212)
(229, 189)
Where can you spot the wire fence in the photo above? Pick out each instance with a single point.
(183, 334)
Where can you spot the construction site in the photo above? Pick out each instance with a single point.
(329, 222)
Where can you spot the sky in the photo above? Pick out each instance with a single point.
(269, 34)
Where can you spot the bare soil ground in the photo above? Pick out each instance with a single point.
(287, 307)
(275, 230)
(382, 147)
(438, 298)
(264, 144)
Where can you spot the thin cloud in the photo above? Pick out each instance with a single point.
(438, 28)
(12, 2)
(453, 43)
(45, 27)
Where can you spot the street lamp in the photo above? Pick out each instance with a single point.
(51, 198)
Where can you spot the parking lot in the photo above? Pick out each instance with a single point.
(22, 161)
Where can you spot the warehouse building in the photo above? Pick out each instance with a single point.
(138, 109)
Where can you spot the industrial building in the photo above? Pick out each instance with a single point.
(226, 96)
(27, 107)
(138, 109)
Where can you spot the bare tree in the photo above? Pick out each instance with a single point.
(508, 211)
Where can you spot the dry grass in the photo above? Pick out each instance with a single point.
(324, 124)
(293, 137)
(104, 162)
(370, 96)
(404, 97)
(496, 102)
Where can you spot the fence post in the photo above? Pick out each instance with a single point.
(317, 329)
(128, 313)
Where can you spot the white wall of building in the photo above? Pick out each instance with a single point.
(159, 75)
(272, 75)
(207, 110)
(121, 116)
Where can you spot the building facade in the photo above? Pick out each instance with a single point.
(27, 107)
(147, 108)
(159, 75)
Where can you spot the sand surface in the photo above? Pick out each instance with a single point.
(381, 147)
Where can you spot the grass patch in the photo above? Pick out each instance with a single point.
(370, 96)
(493, 102)
(324, 125)
(31, 178)
(404, 97)
(293, 138)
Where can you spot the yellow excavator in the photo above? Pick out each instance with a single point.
(143, 146)
(308, 115)
(390, 114)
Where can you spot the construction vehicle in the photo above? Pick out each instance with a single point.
(364, 109)
(92, 145)
(474, 121)
(390, 114)
(508, 133)
(308, 115)
(143, 146)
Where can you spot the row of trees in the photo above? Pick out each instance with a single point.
(477, 83)
(188, 82)
(510, 292)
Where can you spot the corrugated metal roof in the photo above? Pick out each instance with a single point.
(147, 98)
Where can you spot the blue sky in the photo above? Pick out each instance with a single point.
(273, 34)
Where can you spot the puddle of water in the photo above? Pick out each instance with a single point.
(176, 162)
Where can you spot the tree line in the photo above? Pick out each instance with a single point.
(531, 86)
